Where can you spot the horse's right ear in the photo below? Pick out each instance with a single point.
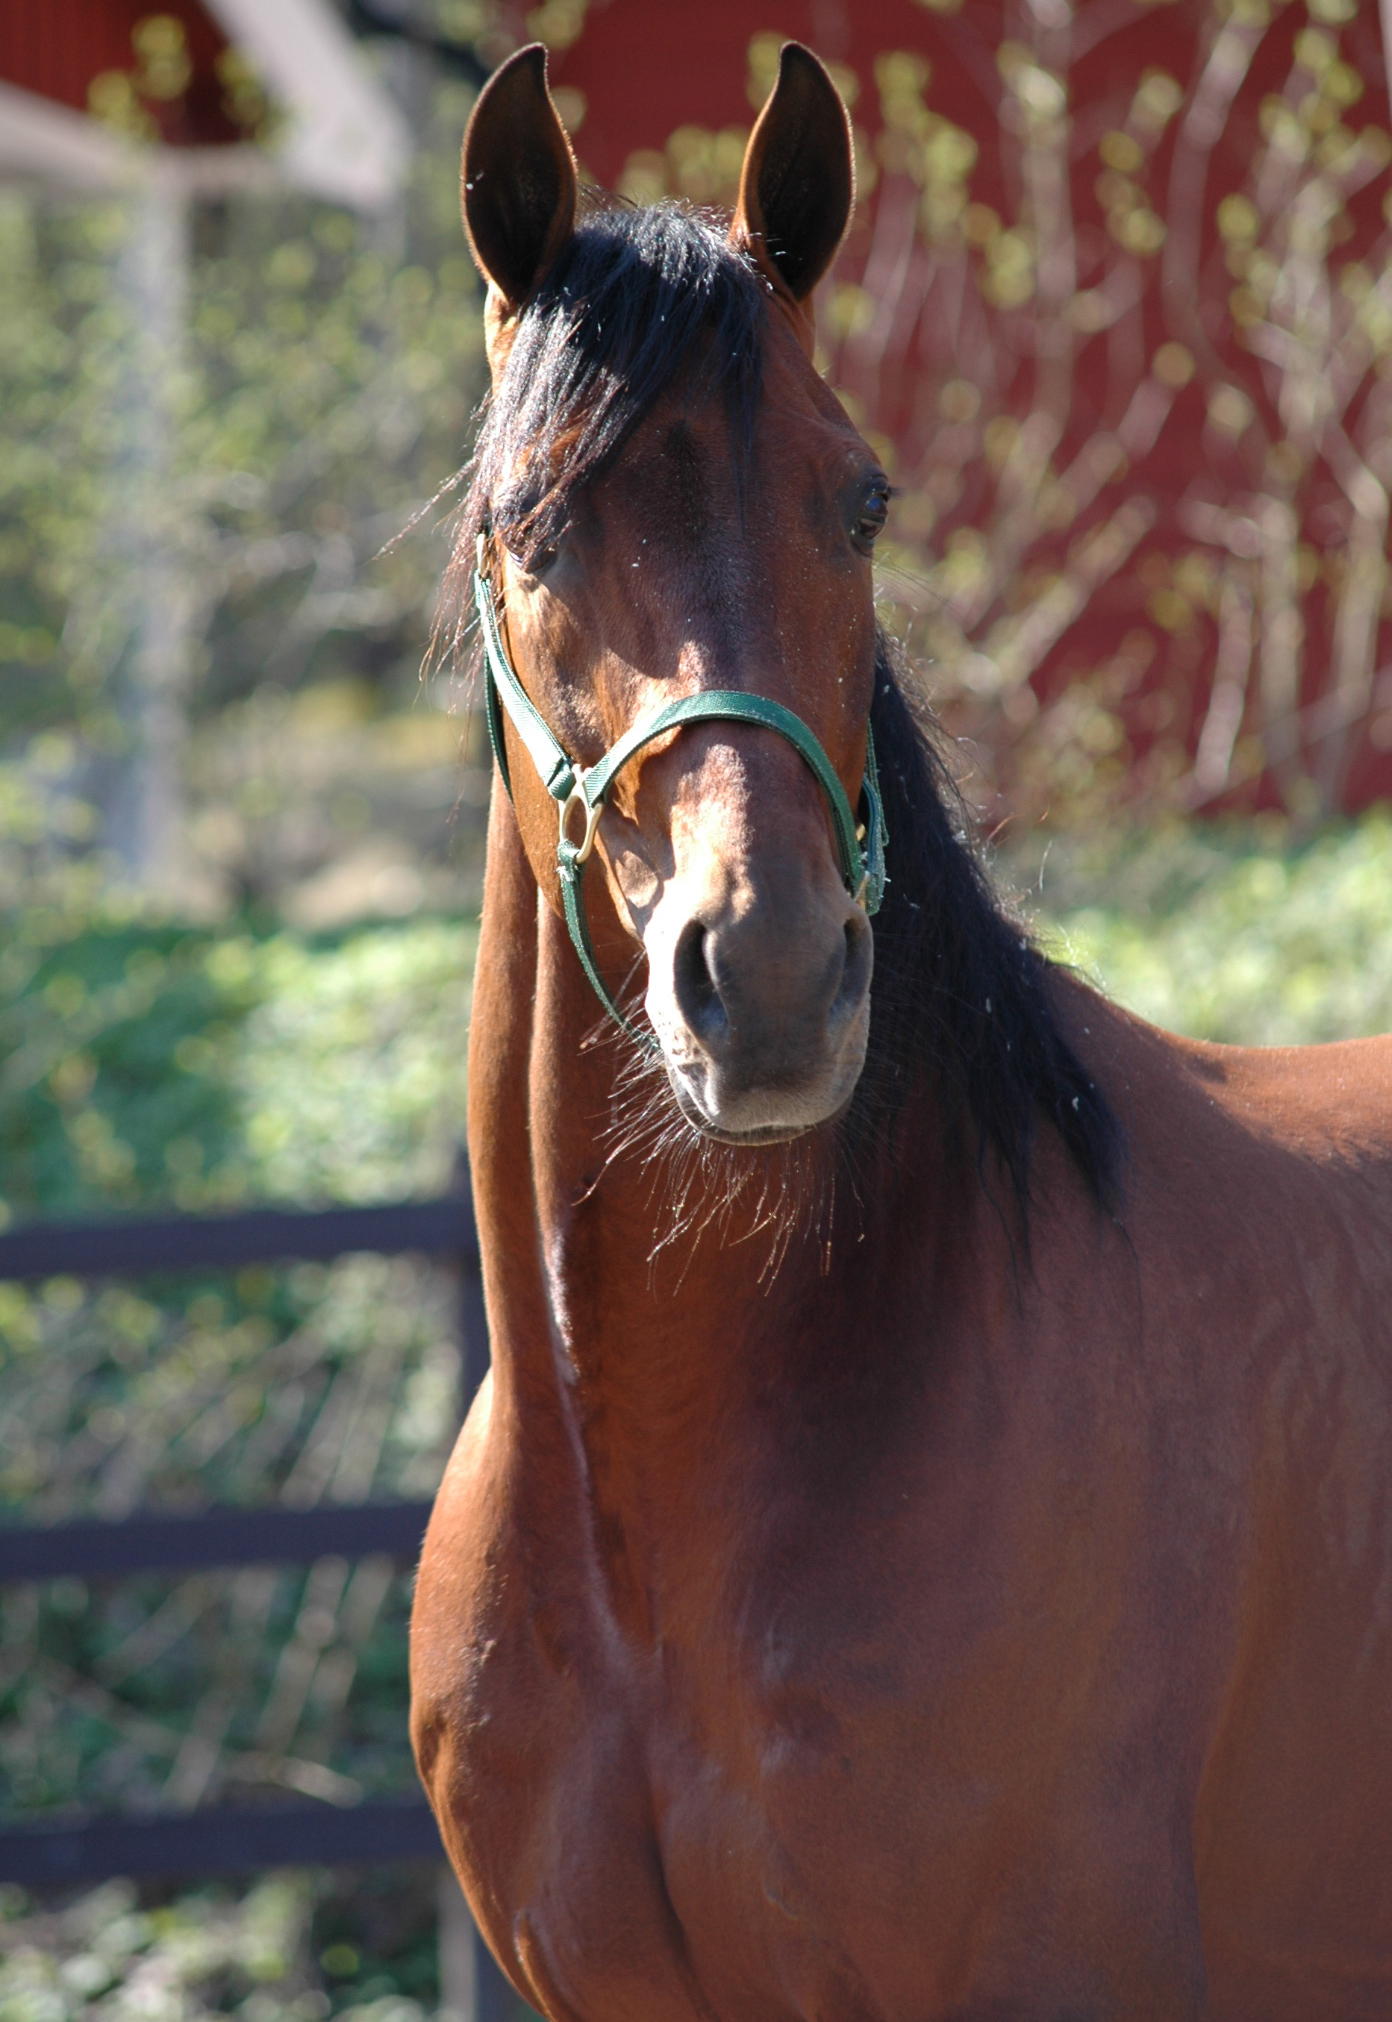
(517, 179)
(797, 186)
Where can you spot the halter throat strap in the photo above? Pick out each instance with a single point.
(582, 792)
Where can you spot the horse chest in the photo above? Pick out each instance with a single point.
(676, 1867)
(769, 1859)
(799, 1805)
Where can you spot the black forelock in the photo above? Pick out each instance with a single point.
(636, 298)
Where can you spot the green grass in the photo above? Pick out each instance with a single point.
(142, 1062)
(1218, 934)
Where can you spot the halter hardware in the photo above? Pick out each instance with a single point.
(860, 845)
(591, 812)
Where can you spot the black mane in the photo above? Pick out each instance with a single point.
(959, 995)
(960, 991)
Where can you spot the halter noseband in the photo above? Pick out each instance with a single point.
(573, 787)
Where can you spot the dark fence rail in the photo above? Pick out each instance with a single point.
(133, 1247)
(219, 1842)
(231, 1840)
(218, 1537)
(150, 1541)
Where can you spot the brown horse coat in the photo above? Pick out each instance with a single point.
(942, 1612)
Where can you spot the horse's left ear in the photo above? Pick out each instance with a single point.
(517, 179)
(797, 186)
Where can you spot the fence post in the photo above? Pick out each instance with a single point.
(472, 1985)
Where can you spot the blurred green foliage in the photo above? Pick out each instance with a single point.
(142, 1061)
(292, 1948)
(261, 509)
(320, 399)
(329, 368)
(302, 1384)
(56, 372)
(1232, 932)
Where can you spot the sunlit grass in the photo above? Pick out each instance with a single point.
(1222, 935)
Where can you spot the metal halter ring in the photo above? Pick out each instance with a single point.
(577, 798)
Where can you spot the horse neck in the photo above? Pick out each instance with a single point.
(640, 1372)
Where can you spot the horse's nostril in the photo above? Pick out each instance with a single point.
(698, 998)
(855, 973)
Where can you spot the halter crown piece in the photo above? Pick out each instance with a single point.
(575, 788)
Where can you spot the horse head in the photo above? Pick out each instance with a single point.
(668, 503)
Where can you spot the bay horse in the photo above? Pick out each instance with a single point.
(925, 1546)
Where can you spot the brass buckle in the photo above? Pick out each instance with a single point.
(576, 798)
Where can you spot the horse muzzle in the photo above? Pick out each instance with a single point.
(763, 1011)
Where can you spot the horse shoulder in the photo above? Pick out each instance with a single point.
(520, 1687)
(1306, 1124)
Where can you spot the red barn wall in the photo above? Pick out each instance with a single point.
(56, 47)
(1237, 652)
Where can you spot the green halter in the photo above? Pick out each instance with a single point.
(861, 850)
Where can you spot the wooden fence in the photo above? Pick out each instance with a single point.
(229, 1840)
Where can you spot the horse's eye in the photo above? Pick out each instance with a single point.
(535, 561)
(869, 521)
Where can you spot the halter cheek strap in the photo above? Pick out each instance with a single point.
(581, 793)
